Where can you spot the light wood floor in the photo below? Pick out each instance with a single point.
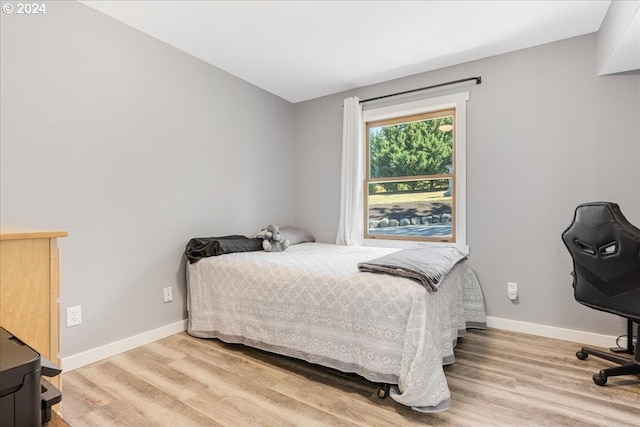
(499, 379)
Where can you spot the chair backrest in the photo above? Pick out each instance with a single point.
(605, 249)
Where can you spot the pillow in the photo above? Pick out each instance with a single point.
(296, 235)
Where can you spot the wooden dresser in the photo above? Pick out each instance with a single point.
(29, 288)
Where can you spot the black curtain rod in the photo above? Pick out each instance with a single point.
(477, 79)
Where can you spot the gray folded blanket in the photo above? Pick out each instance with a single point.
(429, 265)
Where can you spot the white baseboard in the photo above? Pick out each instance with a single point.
(581, 337)
(99, 353)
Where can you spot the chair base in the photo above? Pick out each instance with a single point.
(628, 366)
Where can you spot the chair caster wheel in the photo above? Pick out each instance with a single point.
(581, 355)
(383, 391)
(600, 379)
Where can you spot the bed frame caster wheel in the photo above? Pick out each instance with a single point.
(600, 378)
(383, 391)
(581, 355)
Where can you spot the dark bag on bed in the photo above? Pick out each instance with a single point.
(202, 247)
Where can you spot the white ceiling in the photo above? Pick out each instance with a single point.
(301, 50)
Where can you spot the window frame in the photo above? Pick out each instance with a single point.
(457, 102)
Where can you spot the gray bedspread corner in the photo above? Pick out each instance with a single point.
(475, 314)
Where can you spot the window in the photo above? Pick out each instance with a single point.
(410, 177)
(414, 171)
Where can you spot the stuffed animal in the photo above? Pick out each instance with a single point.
(272, 240)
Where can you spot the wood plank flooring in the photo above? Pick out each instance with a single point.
(500, 378)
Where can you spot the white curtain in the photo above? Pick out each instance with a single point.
(351, 223)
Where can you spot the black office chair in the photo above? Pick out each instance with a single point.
(605, 249)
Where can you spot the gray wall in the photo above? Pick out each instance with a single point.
(133, 147)
(544, 133)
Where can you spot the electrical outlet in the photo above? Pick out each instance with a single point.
(167, 294)
(74, 316)
(512, 290)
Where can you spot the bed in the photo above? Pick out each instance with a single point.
(311, 302)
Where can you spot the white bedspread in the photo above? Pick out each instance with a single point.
(311, 302)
